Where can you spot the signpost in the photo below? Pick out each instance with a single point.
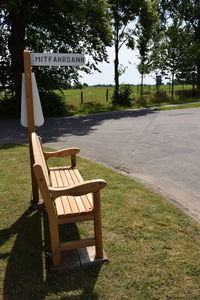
(57, 59)
(158, 80)
(42, 59)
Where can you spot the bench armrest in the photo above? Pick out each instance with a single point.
(84, 188)
(64, 153)
(61, 153)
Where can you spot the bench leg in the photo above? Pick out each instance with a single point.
(97, 226)
(55, 244)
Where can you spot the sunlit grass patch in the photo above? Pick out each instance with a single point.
(152, 245)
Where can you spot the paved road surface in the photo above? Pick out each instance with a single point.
(160, 149)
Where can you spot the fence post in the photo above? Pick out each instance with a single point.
(107, 95)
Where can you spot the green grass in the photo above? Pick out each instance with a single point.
(90, 94)
(98, 94)
(94, 98)
(152, 245)
(182, 106)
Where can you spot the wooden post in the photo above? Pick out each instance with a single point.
(97, 225)
(138, 89)
(30, 119)
(107, 95)
(81, 96)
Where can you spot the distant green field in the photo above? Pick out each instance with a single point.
(90, 94)
(98, 94)
(94, 99)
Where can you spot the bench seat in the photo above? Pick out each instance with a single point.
(70, 205)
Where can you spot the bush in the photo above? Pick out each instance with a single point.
(124, 96)
(52, 103)
(8, 107)
(141, 102)
(187, 93)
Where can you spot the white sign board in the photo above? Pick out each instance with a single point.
(57, 59)
(37, 108)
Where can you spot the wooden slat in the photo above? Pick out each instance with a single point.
(78, 201)
(58, 201)
(63, 199)
(39, 157)
(88, 199)
(69, 174)
(75, 218)
(72, 202)
(64, 179)
(66, 201)
(77, 244)
(66, 176)
(77, 178)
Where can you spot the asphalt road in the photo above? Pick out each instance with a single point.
(159, 149)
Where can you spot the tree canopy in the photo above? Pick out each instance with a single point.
(166, 33)
(60, 25)
(188, 11)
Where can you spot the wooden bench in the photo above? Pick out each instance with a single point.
(67, 199)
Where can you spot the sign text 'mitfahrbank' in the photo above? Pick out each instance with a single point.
(57, 59)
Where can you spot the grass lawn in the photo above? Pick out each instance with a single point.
(189, 105)
(94, 98)
(153, 247)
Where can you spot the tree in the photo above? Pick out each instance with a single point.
(61, 26)
(123, 13)
(146, 26)
(174, 52)
(189, 12)
(127, 17)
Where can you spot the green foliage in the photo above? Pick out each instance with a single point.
(187, 93)
(187, 12)
(61, 26)
(53, 104)
(146, 26)
(123, 14)
(124, 96)
(7, 107)
(78, 86)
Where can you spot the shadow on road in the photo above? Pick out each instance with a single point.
(12, 131)
(83, 125)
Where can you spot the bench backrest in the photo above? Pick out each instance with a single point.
(42, 175)
(39, 156)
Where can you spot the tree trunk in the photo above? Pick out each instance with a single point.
(142, 85)
(16, 46)
(198, 74)
(172, 91)
(116, 61)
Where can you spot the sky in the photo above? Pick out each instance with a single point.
(128, 58)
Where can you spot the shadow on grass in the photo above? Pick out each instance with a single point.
(26, 275)
(11, 146)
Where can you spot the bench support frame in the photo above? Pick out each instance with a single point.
(86, 195)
